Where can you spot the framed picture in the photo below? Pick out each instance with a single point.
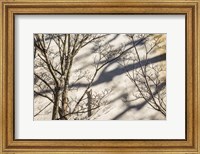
(99, 76)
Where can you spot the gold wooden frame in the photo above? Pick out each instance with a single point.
(190, 8)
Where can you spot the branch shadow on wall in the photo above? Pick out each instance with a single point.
(141, 105)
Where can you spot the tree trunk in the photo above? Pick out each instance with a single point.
(55, 114)
(89, 104)
(64, 103)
